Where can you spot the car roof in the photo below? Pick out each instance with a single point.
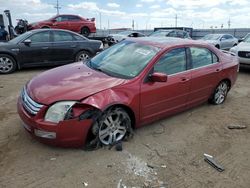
(40, 30)
(166, 42)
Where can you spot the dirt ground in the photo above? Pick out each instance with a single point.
(173, 148)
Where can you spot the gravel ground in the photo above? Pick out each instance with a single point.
(173, 148)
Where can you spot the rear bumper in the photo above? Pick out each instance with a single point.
(68, 133)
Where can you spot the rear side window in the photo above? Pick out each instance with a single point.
(201, 57)
(62, 36)
(40, 37)
(73, 18)
(172, 62)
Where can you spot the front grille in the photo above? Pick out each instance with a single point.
(29, 104)
(244, 54)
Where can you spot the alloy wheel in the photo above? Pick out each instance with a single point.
(221, 93)
(83, 57)
(6, 64)
(113, 128)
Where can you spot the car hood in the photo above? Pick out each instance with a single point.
(71, 82)
(244, 46)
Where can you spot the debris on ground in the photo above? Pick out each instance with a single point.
(236, 126)
(121, 185)
(210, 160)
(85, 184)
(118, 146)
(53, 159)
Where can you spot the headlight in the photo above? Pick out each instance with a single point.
(233, 49)
(58, 111)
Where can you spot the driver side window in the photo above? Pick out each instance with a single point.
(40, 37)
(172, 62)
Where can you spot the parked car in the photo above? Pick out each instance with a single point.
(221, 41)
(69, 22)
(242, 50)
(115, 38)
(170, 33)
(245, 37)
(128, 85)
(45, 47)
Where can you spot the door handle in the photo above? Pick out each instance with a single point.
(73, 46)
(183, 80)
(45, 48)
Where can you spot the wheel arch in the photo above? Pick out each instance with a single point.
(228, 81)
(127, 109)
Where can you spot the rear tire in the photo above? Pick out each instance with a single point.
(220, 93)
(7, 64)
(85, 31)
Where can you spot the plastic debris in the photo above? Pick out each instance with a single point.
(210, 160)
(236, 126)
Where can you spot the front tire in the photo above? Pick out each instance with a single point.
(7, 64)
(113, 126)
(82, 56)
(220, 93)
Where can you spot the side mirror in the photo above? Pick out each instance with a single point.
(222, 39)
(158, 77)
(27, 42)
(53, 20)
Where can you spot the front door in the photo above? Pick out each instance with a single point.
(38, 52)
(159, 99)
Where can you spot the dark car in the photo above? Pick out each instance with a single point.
(170, 33)
(45, 47)
(69, 22)
(128, 85)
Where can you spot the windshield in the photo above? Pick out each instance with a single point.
(20, 37)
(159, 34)
(124, 60)
(211, 37)
(247, 38)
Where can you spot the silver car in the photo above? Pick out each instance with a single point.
(115, 38)
(221, 41)
(242, 50)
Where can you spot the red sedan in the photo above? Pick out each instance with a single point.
(68, 22)
(128, 85)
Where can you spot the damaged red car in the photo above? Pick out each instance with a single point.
(128, 85)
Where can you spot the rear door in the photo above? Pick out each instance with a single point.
(38, 52)
(205, 74)
(64, 47)
(159, 99)
(74, 23)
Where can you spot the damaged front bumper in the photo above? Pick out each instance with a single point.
(68, 133)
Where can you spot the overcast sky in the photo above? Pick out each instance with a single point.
(146, 13)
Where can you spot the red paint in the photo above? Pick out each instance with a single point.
(149, 101)
(74, 25)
